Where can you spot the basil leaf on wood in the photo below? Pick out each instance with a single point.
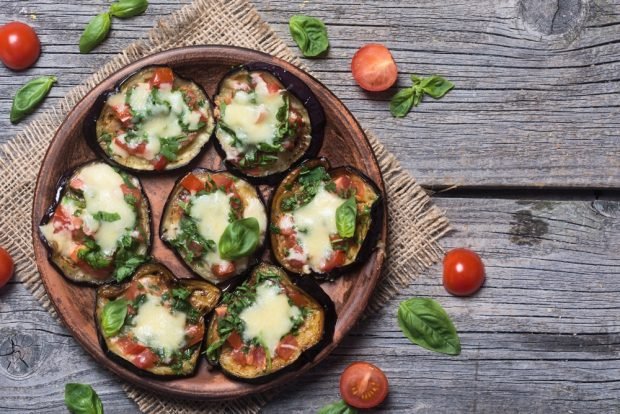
(434, 86)
(240, 239)
(310, 34)
(95, 32)
(427, 324)
(82, 399)
(402, 102)
(437, 87)
(113, 316)
(30, 96)
(124, 9)
(346, 214)
(339, 407)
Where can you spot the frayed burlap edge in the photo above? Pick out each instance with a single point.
(414, 224)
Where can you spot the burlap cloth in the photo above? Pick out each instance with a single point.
(414, 223)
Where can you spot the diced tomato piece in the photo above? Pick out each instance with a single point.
(257, 357)
(296, 263)
(234, 340)
(223, 270)
(192, 183)
(287, 347)
(145, 359)
(239, 357)
(159, 163)
(337, 259)
(61, 218)
(343, 183)
(129, 346)
(161, 76)
(190, 97)
(360, 188)
(74, 254)
(223, 181)
(195, 247)
(132, 291)
(295, 119)
(220, 311)
(298, 298)
(194, 333)
(134, 192)
(123, 113)
(76, 183)
(133, 150)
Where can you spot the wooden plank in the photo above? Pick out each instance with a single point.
(543, 335)
(537, 84)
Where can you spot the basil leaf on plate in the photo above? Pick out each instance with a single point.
(427, 324)
(339, 407)
(30, 96)
(346, 214)
(310, 34)
(402, 102)
(95, 32)
(240, 239)
(113, 316)
(82, 399)
(124, 9)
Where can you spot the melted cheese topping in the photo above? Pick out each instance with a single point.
(211, 212)
(256, 209)
(315, 222)
(269, 318)
(157, 327)
(63, 242)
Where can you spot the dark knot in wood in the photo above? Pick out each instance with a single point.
(20, 354)
(554, 17)
(526, 230)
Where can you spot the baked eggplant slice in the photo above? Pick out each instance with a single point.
(267, 121)
(269, 324)
(324, 220)
(98, 229)
(155, 120)
(216, 222)
(155, 323)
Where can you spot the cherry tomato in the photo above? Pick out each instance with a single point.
(374, 68)
(463, 272)
(19, 46)
(6, 267)
(363, 385)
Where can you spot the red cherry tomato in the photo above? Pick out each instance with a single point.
(374, 68)
(19, 46)
(363, 385)
(463, 272)
(6, 267)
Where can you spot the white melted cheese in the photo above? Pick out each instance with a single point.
(211, 212)
(315, 222)
(139, 97)
(63, 242)
(256, 209)
(118, 99)
(269, 318)
(157, 327)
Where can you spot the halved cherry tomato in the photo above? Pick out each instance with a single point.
(7, 266)
(363, 385)
(129, 346)
(463, 272)
(162, 75)
(192, 183)
(194, 333)
(287, 347)
(19, 45)
(222, 270)
(337, 259)
(374, 68)
(145, 359)
(234, 340)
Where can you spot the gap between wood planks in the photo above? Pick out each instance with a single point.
(526, 193)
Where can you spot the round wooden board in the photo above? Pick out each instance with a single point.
(345, 144)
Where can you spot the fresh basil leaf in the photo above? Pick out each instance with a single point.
(346, 214)
(181, 293)
(310, 35)
(124, 9)
(240, 239)
(94, 256)
(401, 103)
(30, 96)
(82, 399)
(437, 86)
(113, 316)
(105, 216)
(95, 32)
(427, 324)
(125, 265)
(339, 407)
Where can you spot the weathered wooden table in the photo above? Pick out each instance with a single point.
(530, 138)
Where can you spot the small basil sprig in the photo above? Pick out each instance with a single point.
(82, 399)
(339, 407)
(30, 96)
(310, 34)
(427, 324)
(346, 214)
(434, 86)
(113, 317)
(95, 32)
(240, 239)
(124, 9)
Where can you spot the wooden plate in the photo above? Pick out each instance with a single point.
(344, 143)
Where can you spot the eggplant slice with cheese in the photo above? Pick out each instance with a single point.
(324, 220)
(155, 323)
(268, 325)
(98, 229)
(155, 120)
(216, 222)
(267, 121)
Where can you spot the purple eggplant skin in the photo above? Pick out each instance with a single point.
(377, 215)
(313, 289)
(167, 274)
(233, 281)
(89, 127)
(63, 183)
(305, 95)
